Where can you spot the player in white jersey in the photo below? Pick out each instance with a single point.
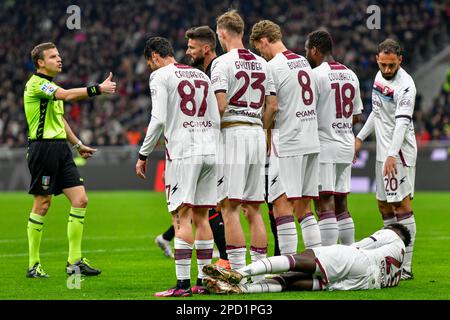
(339, 106)
(372, 263)
(185, 110)
(393, 98)
(294, 161)
(242, 85)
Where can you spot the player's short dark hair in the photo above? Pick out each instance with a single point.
(322, 40)
(160, 46)
(38, 52)
(390, 46)
(231, 21)
(204, 34)
(403, 230)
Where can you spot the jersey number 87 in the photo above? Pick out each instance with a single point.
(189, 97)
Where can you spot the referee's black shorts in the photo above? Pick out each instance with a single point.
(51, 166)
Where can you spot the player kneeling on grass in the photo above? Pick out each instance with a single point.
(372, 263)
(184, 107)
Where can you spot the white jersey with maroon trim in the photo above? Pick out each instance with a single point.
(295, 130)
(184, 106)
(385, 251)
(392, 99)
(243, 75)
(339, 100)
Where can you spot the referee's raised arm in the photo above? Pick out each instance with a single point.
(106, 86)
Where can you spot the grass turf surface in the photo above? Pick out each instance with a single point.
(120, 228)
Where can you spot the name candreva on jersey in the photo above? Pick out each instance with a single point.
(189, 74)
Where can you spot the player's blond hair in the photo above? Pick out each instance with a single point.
(265, 29)
(231, 21)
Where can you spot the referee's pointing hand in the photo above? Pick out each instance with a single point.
(108, 86)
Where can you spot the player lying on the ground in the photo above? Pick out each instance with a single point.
(372, 263)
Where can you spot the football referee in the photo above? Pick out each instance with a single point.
(49, 156)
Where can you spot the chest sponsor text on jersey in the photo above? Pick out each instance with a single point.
(307, 115)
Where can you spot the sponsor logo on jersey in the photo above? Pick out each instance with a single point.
(307, 113)
(48, 88)
(405, 103)
(341, 125)
(197, 124)
(376, 101)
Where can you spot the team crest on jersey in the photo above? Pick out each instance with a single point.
(153, 92)
(215, 79)
(45, 182)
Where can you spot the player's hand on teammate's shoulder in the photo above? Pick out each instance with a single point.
(86, 152)
(108, 86)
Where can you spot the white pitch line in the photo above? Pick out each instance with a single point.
(12, 255)
(24, 239)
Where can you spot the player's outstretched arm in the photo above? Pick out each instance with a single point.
(107, 86)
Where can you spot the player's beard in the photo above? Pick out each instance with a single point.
(390, 77)
(197, 63)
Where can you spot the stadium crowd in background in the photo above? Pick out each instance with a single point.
(112, 34)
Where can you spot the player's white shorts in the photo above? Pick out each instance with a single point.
(397, 188)
(241, 177)
(344, 268)
(296, 176)
(335, 178)
(191, 181)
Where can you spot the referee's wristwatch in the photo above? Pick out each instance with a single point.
(77, 145)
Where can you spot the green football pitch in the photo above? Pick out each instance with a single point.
(119, 233)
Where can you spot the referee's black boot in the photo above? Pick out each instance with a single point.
(83, 267)
(36, 271)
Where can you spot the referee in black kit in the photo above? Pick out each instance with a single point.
(50, 158)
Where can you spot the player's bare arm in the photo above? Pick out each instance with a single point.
(367, 129)
(84, 151)
(270, 111)
(106, 87)
(222, 102)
